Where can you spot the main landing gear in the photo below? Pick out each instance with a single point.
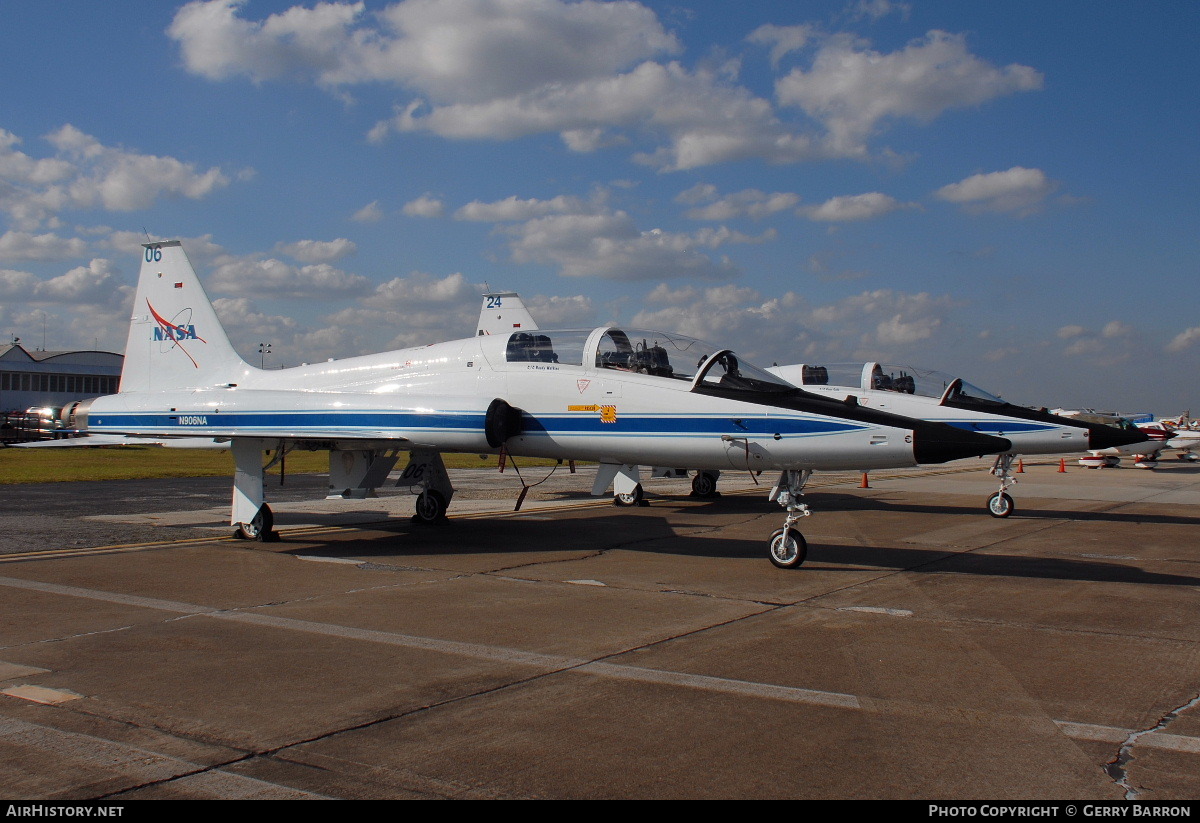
(426, 477)
(251, 517)
(1001, 504)
(787, 547)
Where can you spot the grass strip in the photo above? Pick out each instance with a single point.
(49, 465)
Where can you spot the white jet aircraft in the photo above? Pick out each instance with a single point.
(916, 393)
(618, 397)
(936, 396)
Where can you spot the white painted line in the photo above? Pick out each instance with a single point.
(107, 597)
(11, 671)
(877, 610)
(790, 694)
(1086, 731)
(553, 663)
(1111, 734)
(221, 785)
(138, 764)
(587, 583)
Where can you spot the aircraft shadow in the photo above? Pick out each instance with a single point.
(409, 544)
(845, 502)
(823, 501)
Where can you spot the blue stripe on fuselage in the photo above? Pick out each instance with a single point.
(539, 425)
(999, 427)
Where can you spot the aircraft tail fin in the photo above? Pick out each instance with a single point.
(175, 339)
(504, 313)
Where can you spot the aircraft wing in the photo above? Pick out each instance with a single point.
(96, 440)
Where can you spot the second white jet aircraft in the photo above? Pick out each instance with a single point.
(923, 394)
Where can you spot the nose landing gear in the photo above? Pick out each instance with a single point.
(787, 547)
(1001, 504)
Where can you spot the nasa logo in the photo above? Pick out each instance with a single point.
(175, 333)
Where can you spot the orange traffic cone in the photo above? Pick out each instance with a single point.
(1062, 465)
(1020, 466)
(864, 484)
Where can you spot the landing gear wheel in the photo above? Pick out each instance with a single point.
(1000, 505)
(431, 507)
(704, 485)
(633, 498)
(787, 548)
(260, 528)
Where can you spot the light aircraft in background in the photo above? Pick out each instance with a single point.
(1184, 435)
(917, 393)
(1180, 433)
(619, 397)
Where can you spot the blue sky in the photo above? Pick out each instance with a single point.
(1005, 191)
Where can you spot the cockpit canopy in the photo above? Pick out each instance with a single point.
(943, 387)
(652, 353)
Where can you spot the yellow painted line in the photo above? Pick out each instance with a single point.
(54, 554)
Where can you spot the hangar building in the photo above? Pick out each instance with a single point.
(54, 378)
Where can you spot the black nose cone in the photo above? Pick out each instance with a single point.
(1101, 436)
(940, 443)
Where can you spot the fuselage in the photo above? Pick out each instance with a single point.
(584, 397)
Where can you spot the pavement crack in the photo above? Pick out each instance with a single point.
(66, 638)
(1118, 767)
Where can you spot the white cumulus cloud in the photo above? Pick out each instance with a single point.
(1184, 340)
(85, 174)
(856, 207)
(424, 206)
(1018, 190)
(516, 208)
(853, 90)
(318, 251)
(751, 203)
(273, 278)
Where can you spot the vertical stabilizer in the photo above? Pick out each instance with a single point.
(504, 313)
(175, 340)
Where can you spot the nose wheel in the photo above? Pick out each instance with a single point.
(1000, 505)
(787, 548)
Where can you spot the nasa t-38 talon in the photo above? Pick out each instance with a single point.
(917, 393)
(619, 397)
(936, 396)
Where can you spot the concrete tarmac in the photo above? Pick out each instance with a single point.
(579, 650)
